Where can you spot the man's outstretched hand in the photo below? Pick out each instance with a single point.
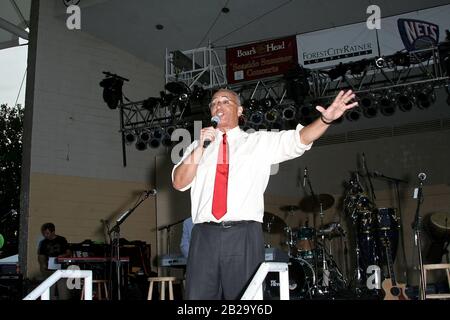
(341, 103)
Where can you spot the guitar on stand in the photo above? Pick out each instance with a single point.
(392, 290)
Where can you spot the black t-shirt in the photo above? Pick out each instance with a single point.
(53, 248)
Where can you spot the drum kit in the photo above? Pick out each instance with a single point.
(312, 268)
(313, 271)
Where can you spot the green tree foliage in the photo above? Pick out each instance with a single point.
(11, 129)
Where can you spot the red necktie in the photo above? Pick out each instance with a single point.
(219, 205)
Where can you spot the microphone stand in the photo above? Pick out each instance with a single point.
(168, 235)
(116, 243)
(397, 191)
(168, 232)
(368, 177)
(417, 239)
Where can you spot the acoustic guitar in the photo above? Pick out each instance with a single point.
(392, 290)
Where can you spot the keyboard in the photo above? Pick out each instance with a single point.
(169, 260)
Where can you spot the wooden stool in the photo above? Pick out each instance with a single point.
(99, 289)
(162, 281)
(438, 266)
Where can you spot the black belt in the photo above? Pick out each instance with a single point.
(227, 224)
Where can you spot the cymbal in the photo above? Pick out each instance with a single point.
(289, 208)
(273, 223)
(309, 204)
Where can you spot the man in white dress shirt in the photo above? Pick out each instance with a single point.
(228, 175)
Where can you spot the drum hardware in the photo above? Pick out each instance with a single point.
(272, 223)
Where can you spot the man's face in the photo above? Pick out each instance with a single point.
(48, 234)
(225, 105)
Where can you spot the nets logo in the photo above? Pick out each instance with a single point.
(418, 34)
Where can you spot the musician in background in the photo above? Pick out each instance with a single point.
(51, 247)
(227, 181)
(186, 236)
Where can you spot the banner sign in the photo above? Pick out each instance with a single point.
(326, 48)
(414, 31)
(261, 60)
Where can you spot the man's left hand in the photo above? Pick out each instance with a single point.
(341, 103)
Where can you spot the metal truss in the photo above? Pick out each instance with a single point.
(200, 66)
(421, 67)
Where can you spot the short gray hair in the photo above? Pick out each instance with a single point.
(238, 97)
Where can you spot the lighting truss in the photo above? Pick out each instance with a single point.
(383, 73)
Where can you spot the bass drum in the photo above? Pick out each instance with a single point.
(301, 281)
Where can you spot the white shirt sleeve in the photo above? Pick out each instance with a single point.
(186, 153)
(285, 145)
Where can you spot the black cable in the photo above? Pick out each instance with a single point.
(255, 19)
(213, 24)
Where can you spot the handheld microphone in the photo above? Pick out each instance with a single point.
(422, 176)
(214, 123)
(305, 175)
(151, 192)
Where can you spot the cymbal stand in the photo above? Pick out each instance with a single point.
(268, 227)
(325, 270)
(316, 205)
(416, 225)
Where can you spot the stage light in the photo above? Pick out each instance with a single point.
(256, 117)
(112, 91)
(166, 140)
(380, 62)
(425, 97)
(141, 145)
(158, 133)
(405, 101)
(129, 138)
(353, 114)
(268, 103)
(368, 106)
(288, 112)
(339, 71)
(144, 136)
(297, 85)
(272, 115)
(386, 105)
(401, 59)
(151, 104)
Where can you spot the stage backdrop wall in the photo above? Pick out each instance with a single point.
(76, 178)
